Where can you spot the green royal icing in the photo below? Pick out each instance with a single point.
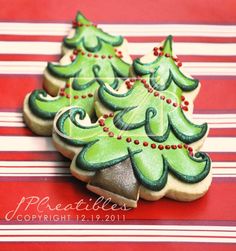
(88, 68)
(83, 66)
(151, 166)
(89, 36)
(140, 107)
(163, 71)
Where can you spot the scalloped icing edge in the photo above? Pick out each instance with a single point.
(39, 126)
(174, 189)
(101, 109)
(53, 84)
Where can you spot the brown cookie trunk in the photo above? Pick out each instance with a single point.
(117, 182)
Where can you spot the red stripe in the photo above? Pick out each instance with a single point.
(200, 58)
(69, 190)
(34, 38)
(114, 246)
(30, 57)
(155, 12)
(15, 131)
(216, 94)
(223, 156)
(188, 39)
(222, 132)
(22, 85)
(31, 156)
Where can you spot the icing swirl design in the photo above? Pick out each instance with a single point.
(105, 145)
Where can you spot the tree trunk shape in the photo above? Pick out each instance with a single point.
(117, 182)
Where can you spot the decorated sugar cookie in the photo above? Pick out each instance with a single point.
(144, 146)
(94, 60)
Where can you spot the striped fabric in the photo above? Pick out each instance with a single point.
(37, 193)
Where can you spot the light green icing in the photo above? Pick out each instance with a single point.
(150, 165)
(89, 36)
(135, 103)
(163, 70)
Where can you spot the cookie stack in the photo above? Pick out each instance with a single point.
(125, 125)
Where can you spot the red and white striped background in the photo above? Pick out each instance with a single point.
(205, 40)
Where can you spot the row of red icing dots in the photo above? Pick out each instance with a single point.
(76, 24)
(69, 96)
(158, 51)
(76, 52)
(102, 123)
(184, 105)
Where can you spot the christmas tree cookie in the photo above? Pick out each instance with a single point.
(144, 145)
(95, 59)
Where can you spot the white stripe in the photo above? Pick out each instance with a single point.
(54, 48)
(11, 114)
(34, 163)
(122, 232)
(11, 124)
(142, 30)
(116, 227)
(117, 239)
(198, 68)
(11, 143)
(12, 119)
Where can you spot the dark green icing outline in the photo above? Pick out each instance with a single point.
(137, 64)
(157, 185)
(117, 40)
(161, 138)
(34, 108)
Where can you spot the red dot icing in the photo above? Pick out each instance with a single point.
(128, 139)
(136, 142)
(105, 129)
(111, 134)
(180, 146)
(153, 146)
(160, 147)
